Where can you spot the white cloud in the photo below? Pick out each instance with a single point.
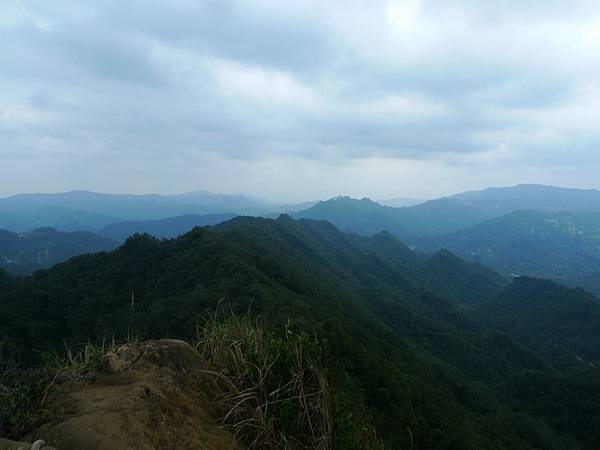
(299, 98)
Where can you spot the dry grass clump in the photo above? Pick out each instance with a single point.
(75, 360)
(272, 390)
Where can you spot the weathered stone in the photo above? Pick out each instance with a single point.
(149, 395)
(122, 359)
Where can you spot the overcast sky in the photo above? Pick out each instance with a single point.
(298, 100)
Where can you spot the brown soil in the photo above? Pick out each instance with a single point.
(151, 395)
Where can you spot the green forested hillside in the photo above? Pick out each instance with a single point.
(456, 279)
(561, 325)
(555, 321)
(425, 369)
(568, 402)
(25, 253)
(547, 245)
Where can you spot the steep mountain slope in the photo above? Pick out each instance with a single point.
(42, 248)
(468, 283)
(549, 245)
(560, 324)
(404, 351)
(568, 402)
(555, 321)
(161, 228)
(383, 275)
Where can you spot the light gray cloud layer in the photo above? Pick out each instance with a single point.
(298, 99)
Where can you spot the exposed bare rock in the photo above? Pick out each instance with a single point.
(150, 395)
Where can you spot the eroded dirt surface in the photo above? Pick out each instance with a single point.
(150, 395)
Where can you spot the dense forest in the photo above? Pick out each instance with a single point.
(411, 338)
(561, 246)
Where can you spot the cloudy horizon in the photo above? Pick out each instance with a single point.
(295, 101)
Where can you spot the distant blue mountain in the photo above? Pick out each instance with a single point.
(499, 201)
(548, 245)
(42, 248)
(162, 228)
(400, 202)
(83, 210)
(449, 214)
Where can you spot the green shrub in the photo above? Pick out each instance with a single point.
(21, 393)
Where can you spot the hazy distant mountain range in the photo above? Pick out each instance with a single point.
(499, 201)
(534, 230)
(83, 210)
(400, 202)
(368, 217)
(450, 214)
(89, 210)
(162, 228)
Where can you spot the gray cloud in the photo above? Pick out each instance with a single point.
(240, 96)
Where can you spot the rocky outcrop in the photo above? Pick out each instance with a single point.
(150, 395)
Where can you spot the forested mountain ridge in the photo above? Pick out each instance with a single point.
(412, 357)
(555, 321)
(469, 283)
